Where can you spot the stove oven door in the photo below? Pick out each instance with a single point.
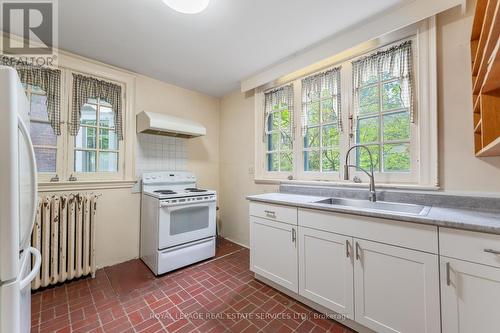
(184, 223)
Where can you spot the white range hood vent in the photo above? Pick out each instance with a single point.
(162, 124)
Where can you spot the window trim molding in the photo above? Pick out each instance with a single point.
(69, 63)
(85, 185)
(46, 176)
(426, 173)
(260, 137)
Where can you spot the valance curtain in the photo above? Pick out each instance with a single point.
(278, 97)
(395, 62)
(316, 86)
(47, 79)
(85, 87)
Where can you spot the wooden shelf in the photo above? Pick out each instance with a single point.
(487, 42)
(485, 70)
(477, 129)
(478, 19)
(492, 77)
(493, 149)
(477, 110)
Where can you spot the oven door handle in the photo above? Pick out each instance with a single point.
(190, 204)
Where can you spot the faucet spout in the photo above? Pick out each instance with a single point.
(373, 194)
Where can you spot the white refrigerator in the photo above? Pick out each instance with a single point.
(19, 262)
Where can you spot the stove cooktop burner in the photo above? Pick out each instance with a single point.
(165, 192)
(192, 189)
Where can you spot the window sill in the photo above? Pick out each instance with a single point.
(345, 184)
(85, 185)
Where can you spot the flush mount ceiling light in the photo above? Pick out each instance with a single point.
(187, 6)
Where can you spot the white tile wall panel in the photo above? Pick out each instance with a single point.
(158, 153)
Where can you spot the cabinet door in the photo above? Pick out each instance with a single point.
(396, 289)
(326, 270)
(470, 297)
(273, 251)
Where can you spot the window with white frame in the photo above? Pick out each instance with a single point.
(379, 90)
(96, 128)
(96, 145)
(42, 134)
(85, 140)
(321, 121)
(278, 120)
(383, 108)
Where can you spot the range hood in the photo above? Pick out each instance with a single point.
(162, 124)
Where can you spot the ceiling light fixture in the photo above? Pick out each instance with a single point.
(187, 6)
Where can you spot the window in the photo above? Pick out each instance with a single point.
(279, 129)
(367, 98)
(96, 124)
(77, 122)
(382, 105)
(321, 121)
(96, 145)
(42, 135)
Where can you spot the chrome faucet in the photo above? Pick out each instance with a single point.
(373, 195)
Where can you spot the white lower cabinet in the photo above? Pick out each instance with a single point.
(396, 289)
(273, 252)
(379, 273)
(470, 295)
(326, 270)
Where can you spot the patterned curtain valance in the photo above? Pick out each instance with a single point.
(49, 80)
(85, 87)
(395, 62)
(316, 86)
(278, 98)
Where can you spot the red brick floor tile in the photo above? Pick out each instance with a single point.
(305, 327)
(218, 295)
(129, 275)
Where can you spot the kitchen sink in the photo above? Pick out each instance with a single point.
(393, 207)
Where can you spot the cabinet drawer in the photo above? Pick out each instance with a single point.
(274, 212)
(471, 246)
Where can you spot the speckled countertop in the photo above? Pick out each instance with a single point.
(449, 217)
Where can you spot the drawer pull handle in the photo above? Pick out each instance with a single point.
(347, 245)
(358, 249)
(492, 251)
(448, 277)
(270, 213)
(294, 235)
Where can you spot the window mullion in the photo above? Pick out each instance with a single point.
(98, 133)
(320, 133)
(380, 124)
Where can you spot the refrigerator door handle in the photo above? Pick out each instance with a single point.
(25, 133)
(34, 270)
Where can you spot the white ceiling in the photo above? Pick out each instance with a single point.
(209, 52)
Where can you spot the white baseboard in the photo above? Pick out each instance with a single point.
(235, 242)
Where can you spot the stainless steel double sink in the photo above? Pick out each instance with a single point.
(382, 206)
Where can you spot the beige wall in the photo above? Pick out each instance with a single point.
(203, 152)
(459, 170)
(237, 157)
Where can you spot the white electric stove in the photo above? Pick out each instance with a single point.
(178, 221)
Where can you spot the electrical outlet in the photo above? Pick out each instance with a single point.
(251, 170)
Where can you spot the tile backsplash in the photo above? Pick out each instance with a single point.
(159, 153)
